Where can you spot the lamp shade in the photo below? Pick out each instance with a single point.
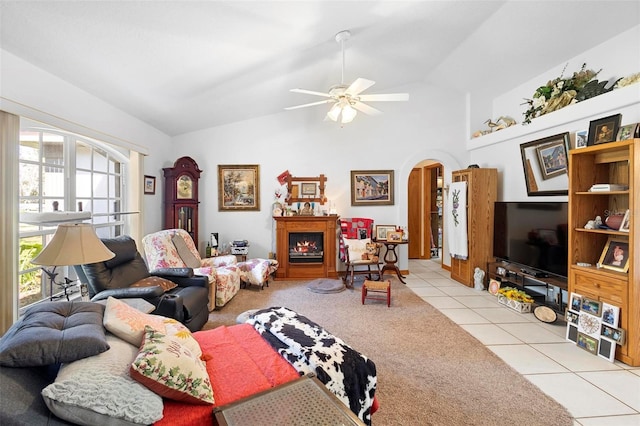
(73, 244)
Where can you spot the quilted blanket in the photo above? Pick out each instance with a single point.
(350, 375)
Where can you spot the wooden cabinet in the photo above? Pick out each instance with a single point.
(181, 196)
(482, 190)
(619, 163)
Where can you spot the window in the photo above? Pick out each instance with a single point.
(62, 171)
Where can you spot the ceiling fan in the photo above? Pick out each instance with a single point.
(347, 100)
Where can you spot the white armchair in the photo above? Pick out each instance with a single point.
(174, 248)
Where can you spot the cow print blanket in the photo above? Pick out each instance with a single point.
(310, 349)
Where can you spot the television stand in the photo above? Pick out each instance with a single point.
(533, 273)
(545, 289)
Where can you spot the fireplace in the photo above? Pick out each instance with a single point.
(306, 246)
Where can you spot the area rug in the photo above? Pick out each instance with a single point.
(326, 285)
(430, 371)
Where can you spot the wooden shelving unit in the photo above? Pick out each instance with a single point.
(615, 162)
(482, 192)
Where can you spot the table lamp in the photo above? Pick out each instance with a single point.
(72, 244)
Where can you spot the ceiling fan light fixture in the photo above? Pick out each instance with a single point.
(334, 112)
(348, 114)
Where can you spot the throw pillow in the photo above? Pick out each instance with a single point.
(99, 391)
(165, 284)
(54, 332)
(171, 370)
(128, 323)
(185, 254)
(356, 248)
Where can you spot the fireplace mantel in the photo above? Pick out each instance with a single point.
(288, 224)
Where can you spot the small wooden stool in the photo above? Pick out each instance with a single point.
(376, 287)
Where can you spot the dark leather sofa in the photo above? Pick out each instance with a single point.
(186, 303)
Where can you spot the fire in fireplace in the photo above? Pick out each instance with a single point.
(306, 247)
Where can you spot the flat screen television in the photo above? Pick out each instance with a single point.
(532, 235)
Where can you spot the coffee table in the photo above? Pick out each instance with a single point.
(302, 402)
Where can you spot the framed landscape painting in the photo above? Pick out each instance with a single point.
(372, 187)
(238, 187)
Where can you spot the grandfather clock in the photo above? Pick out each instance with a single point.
(181, 196)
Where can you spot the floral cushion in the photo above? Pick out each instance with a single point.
(128, 323)
(171, 370)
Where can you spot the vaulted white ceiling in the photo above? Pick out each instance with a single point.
(182, 66)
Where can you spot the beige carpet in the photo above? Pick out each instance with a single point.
(430, 371)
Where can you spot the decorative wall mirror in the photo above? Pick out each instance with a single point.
(545, 163)
(306, 189)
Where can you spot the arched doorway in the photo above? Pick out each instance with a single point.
(424, 210)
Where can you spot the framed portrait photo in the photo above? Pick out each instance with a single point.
(382, 231)
(624, 226)
(372, 187)
(604, 130)
(610, 314)
(588, 343)
(238, 187)
(628, 131)
(149, 184)
(615, 255)
(394, 237)
(575, 302)
(581, 139)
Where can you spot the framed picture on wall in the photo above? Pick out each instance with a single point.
(238, 187)
(149, 184)
(372, 187)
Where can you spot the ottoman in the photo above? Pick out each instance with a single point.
(257, 271)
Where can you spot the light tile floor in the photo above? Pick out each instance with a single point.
(594, 391)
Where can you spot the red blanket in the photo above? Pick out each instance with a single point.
(240, 363)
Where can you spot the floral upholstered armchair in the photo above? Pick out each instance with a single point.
(174, 248)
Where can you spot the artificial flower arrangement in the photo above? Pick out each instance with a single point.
(558, 93)
(515, 294)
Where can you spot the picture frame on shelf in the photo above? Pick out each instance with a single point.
(624, 225)
(149, 184)
(238, 187)
(604, 130)
(383, 230)
(588, 343)
(552, 159)
(607, 349)
(615, 255)
(628, 131)
(544, 162)
(308, 189)
(394, 237)
(372, 188)
(610, 314)
(581, 139)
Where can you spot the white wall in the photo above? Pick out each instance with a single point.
(426, 127)
(31, 92)
(502, 149)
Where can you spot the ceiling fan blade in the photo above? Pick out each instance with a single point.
(385, 97)
(310, 104)
(311, 92)
(360, 85)
(366, 108)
